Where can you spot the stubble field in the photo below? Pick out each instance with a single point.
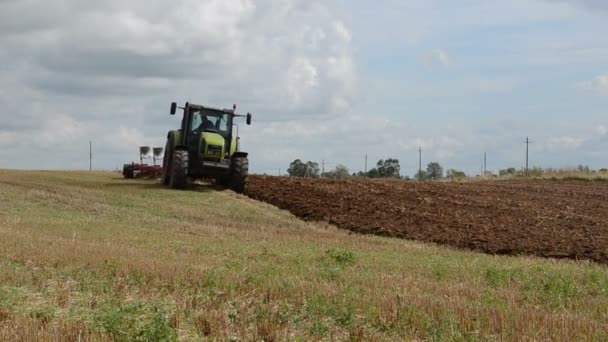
(93, 256)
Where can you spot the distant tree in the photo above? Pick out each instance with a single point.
(299, 169)
(434, 171)
(507, 172)
(340, 172)
(584, 169)
(389, 169)
(313, 170)
(420, 175)
(373, 173)
(603, 170)
(455, 174)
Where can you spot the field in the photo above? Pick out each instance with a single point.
(560, 219)
(92, 255)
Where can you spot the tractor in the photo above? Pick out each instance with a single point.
(205, 147)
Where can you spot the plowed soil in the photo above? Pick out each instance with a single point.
(560, 219)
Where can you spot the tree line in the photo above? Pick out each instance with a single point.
(390, 168)
(385, 168)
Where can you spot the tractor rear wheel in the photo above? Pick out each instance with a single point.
(179, 170)
(167, 162)
(240, 170)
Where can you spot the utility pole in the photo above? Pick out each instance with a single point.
(485, 164)
(279, 172)
(420, 162)
(90, 155)
(527, 154)
(365, 163)
(322, 168)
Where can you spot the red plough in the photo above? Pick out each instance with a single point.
(142, 170)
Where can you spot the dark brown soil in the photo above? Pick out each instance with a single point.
(560, 219)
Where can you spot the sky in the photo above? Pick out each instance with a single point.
(328, 81)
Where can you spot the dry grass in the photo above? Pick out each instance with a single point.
(128, 260)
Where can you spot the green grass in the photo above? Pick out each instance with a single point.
(95, 254)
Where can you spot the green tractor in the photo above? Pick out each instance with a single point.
(205, 147)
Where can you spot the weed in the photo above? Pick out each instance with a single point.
(319, 329)
(342, 257)
(136, 322)
(496, 277)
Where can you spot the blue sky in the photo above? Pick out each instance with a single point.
(509, 70)
(326, 80)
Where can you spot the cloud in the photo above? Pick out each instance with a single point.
(107, 71)
(438, 57)
(598, 85)
(602, 130)
(324, 80)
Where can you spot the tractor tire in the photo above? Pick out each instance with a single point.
(179, 170)
(167, 162)
(127, 171)
(240, 170)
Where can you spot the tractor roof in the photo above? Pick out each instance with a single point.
(195, 106)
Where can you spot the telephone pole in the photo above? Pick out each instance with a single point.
(527, 155)
(322, 168)
(420, 162)
(485, 164)
(90, 155)
(365, 163)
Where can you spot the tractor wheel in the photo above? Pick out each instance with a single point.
(240, 170)
(167, 162)
(127, 171)
(179, 170)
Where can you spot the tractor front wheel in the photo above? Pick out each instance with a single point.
(240, 170)
(179, 170)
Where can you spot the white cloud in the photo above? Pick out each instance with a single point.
(323, 81)
(107, 71)
(602, 130)
(598, 85)
(438, 56)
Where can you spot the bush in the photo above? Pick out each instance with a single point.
(455, 174)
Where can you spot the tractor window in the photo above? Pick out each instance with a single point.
(196, 122)
(210, 121)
